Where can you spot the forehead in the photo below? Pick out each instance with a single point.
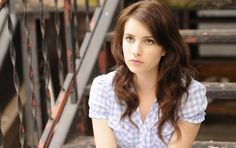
(135, 27)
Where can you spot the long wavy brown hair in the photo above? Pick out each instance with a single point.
(175, 72)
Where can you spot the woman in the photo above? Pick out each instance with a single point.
(151, 100)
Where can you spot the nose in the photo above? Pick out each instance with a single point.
(136, 49)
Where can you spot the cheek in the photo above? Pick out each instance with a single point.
(154, 56)
(125, 49)
(124, 53)
(124, 45)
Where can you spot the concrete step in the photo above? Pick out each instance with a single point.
(88, 142)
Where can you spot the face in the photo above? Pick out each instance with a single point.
(142, 53)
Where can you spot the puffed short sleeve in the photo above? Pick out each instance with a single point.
(98, 99)
(193, 109)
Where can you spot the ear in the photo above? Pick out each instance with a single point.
(163, 53)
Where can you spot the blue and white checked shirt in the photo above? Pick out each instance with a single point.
(103, 105)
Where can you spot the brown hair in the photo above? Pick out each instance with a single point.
(173, 67)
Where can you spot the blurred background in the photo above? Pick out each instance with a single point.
(51, 50)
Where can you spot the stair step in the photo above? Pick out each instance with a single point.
(88, 142)
(215, 90)
(193, 36)
(219, 90)
(201, 4)
(82, 141)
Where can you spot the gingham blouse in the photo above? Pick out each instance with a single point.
(104, 105)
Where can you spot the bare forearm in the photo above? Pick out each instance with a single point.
(188, 134)
(103, 135)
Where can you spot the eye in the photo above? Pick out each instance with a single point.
(129, 39)
(149, 41)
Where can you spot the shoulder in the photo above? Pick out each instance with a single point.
(196, 87)
(101, 96)
(194, 103)
(105, 79)
(196, 93)
(102, 84)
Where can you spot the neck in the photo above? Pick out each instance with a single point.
(146, 82)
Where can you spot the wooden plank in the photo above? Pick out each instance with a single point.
(82, 141)
(193, 36)
(201, 4)
(216, 69)
(222, 107)
(215, 90)
(49, 5)
(34, 5)
(217, 13)
(213, 144)
(209, 36)
(88, 142)
(219, 90)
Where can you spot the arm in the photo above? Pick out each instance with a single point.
(188, 134)
(103, 135)
(191, 115)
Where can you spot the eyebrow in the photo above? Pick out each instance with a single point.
(134, 35)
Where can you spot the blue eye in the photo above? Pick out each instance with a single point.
(129, 39)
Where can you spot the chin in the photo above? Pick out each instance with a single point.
(136, 70)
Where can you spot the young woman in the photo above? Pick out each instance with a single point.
(151, 100)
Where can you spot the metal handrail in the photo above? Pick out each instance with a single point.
(4, 33)
(57, 129)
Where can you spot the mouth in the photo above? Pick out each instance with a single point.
(134, 61)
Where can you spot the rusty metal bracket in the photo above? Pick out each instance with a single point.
(70, 50)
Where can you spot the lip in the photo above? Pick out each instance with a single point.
(136, 62)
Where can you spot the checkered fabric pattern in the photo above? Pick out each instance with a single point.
(103, 105)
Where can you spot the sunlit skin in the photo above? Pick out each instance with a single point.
(142, 54)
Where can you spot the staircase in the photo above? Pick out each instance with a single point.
(62, 118)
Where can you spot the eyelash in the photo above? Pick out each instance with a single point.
(147, 41)
(129, 39)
